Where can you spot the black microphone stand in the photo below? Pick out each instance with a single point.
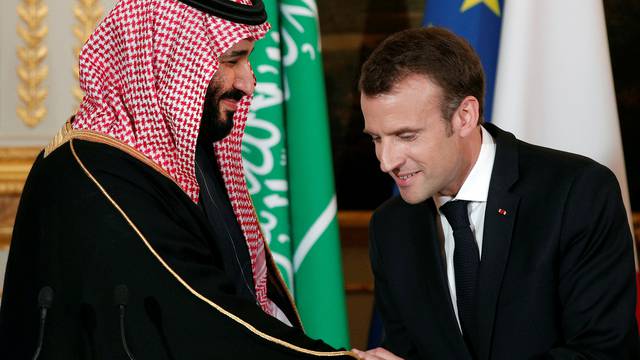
(45, 299)
(121, 298)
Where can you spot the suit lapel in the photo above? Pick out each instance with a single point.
(495, 252)
(500, 216)
(431, 263)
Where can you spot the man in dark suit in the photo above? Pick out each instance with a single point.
(495, 249)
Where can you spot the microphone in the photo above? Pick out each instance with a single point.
(45, 299)
(120, 299)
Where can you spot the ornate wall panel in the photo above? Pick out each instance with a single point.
(38, 55)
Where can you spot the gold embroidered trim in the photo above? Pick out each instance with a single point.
(68, 133)
(192, 290)
(107, 140)
(61, 137)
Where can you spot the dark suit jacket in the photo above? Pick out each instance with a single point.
(556, 278)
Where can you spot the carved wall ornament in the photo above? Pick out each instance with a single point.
(31, 70)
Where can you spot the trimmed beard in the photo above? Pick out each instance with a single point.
(215, 126)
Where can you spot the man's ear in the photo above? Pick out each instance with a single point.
(465, 118)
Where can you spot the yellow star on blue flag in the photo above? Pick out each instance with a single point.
(478, 21)
(493, 5)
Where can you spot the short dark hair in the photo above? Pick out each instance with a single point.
(436, 53)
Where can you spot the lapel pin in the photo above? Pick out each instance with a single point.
(502, 211)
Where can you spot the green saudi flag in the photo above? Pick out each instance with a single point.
(287, 159)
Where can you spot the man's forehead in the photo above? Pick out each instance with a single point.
(242, 47)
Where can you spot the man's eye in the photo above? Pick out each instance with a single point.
(407, 137)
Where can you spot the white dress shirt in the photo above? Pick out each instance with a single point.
(475, 189)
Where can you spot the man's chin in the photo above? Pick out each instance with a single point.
(225, 118)
(223, 128)
(216, 131)
(412, 198)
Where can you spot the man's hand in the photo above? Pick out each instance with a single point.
(376, 354)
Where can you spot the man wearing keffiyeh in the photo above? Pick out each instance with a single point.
(142, 194)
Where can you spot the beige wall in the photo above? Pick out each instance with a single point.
(60, 60)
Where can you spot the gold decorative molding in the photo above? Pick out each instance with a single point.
(31, 70)
(8, 208)
(87, 13)
(15, 163)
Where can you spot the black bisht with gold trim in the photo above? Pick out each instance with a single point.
(182, 305)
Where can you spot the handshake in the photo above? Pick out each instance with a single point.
(376, 354)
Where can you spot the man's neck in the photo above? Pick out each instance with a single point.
(470, 151)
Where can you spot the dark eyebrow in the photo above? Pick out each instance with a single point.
(238, 53)
(396, 132)
(405, 130)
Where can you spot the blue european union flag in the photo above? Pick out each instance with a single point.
(478, 21)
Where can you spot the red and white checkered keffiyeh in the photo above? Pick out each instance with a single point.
(145, 72)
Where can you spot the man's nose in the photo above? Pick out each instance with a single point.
(244, 80)
(389, 157)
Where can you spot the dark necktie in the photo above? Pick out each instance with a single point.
(466, 260)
